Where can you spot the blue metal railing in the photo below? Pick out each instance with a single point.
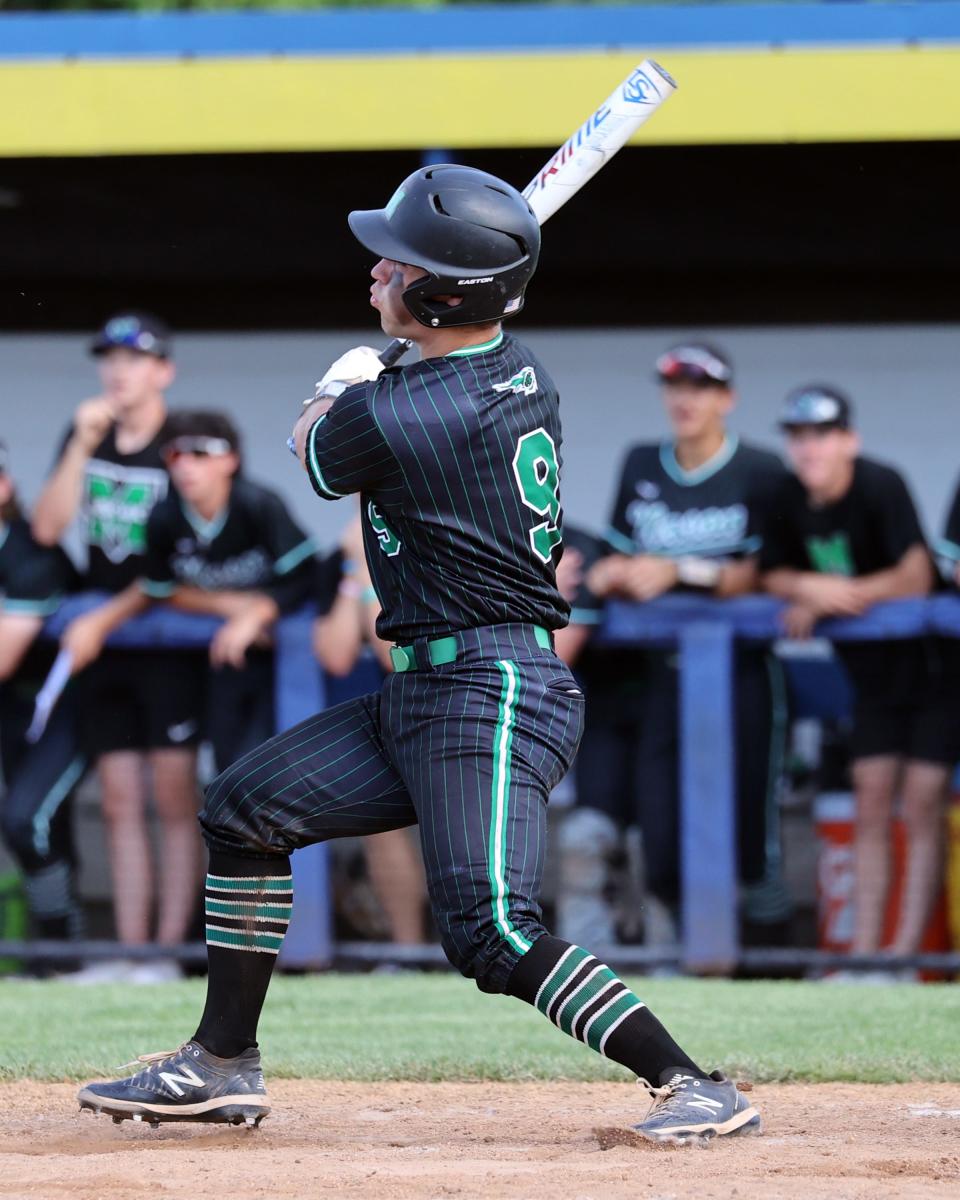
(704, 631)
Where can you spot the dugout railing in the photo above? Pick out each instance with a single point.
(704, 632)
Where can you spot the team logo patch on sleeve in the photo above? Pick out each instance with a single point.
(524, 383)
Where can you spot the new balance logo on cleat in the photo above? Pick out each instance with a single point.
(688, 1109)
(188, 1084)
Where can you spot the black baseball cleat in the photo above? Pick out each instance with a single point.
(189, 1084)
(687, 1109)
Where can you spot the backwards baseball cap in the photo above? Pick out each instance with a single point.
(816, 404)
(695, 362)
(134, 331)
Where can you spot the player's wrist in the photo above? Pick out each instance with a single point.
(702, 573)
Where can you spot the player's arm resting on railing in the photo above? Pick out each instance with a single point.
(912, 576)
(59, 501)
(85, 636)
(17, 633)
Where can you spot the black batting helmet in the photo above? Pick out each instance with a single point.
(475, 235)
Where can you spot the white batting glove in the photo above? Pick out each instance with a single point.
(361, 363)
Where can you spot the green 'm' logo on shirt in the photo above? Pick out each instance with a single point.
(118, 502)
(831, 555)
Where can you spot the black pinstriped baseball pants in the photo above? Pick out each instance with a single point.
(469, 751)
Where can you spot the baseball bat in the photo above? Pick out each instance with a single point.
(632, 102)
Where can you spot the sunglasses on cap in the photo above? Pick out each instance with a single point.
(693, 362)
(197, 447)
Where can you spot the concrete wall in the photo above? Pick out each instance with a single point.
(904, 380)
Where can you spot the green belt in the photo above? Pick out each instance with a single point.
(444, 650)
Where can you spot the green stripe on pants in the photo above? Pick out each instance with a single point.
(500, 798)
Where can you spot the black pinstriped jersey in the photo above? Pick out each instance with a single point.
(457, 460)
(715, 511)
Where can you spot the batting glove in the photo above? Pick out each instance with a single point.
(357, 365)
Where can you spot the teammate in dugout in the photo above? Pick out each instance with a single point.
(689, 514)
(39, 779)
(456, 458)
(847, 536)
(140, 710)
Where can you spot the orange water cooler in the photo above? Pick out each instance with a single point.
(833, 818)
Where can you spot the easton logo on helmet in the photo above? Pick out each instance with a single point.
(471, 282)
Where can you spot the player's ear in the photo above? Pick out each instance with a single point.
(166, 373)
(854, 444)
(729, 401)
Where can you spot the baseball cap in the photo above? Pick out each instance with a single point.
(816, 404)
(695, 362)
(135, 331)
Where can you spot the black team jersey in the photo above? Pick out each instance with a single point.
(867, 530)
(33, 581)
(457, 460)
(253, 545)
(119, 492)
(717, 510)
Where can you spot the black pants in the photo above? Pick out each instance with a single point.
(40, 780)
(628, 763)
(240, 708)
(469, 751)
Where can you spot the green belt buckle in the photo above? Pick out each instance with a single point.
(401, 658)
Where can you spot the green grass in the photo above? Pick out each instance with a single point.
(435, 1027)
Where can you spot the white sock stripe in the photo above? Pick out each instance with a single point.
(619, 1021)
(245, 918)
(570, 995)
(559, 963)
(600, 1011)
(593, 999)
(243, 949)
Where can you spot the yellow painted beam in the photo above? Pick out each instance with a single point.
(356, 103)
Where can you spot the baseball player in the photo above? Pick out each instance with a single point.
(688, 515)
(141, 710)
(846, 536)
(39, 779)
(456, 458)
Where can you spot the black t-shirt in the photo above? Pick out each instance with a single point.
(33, 580)
(119, 492)
(457, 460)
(867, 530)
(253, 545)
(717, 511)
